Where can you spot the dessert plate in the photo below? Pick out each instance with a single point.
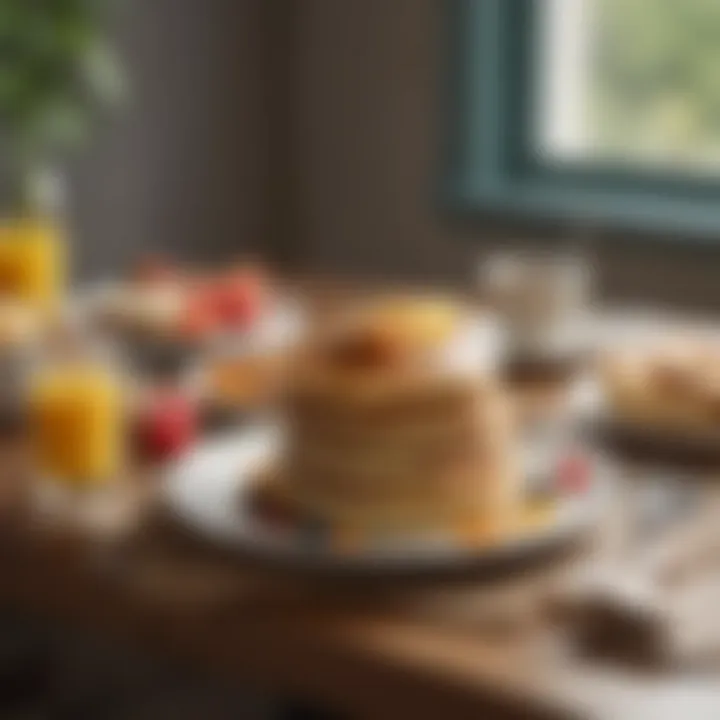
(211, 493)
(644, 444)
(693, 449)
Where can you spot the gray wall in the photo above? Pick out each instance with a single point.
(184, 165)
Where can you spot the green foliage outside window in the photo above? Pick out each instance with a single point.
(657, 79)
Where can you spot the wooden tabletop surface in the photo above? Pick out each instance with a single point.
(377, 650)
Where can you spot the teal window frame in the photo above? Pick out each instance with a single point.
(490, 167)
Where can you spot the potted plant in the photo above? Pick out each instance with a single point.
(57, 71)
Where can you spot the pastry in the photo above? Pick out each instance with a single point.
(675, 386)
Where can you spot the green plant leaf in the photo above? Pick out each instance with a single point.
(56, 69)
(103, 74)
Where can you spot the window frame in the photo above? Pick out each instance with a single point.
(489, 166)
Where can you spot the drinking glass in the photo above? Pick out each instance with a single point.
(77, 419)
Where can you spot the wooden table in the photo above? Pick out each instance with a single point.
(375, 651)
(372, 651)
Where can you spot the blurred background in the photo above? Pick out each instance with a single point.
(315, 131)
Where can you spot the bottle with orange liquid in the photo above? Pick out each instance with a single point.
(33, 250)
(32, 262)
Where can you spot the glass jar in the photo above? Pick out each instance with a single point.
(77, 414)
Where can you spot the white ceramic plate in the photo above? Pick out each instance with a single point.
(207, 492)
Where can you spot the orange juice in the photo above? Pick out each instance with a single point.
(77, 424)
(32, 262)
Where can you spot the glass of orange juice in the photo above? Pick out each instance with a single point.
(32, 262)
(77, 422)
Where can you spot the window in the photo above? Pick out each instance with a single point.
(604, 111)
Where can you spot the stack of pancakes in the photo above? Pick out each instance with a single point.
(393, 423)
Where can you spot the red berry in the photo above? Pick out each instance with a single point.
(574, 473)
(200, 318)
(167, 425)
(241, 298)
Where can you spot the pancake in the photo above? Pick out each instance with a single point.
(395, 420)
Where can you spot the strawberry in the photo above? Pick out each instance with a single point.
(200, 318)
(167, 425)
(240, 298)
